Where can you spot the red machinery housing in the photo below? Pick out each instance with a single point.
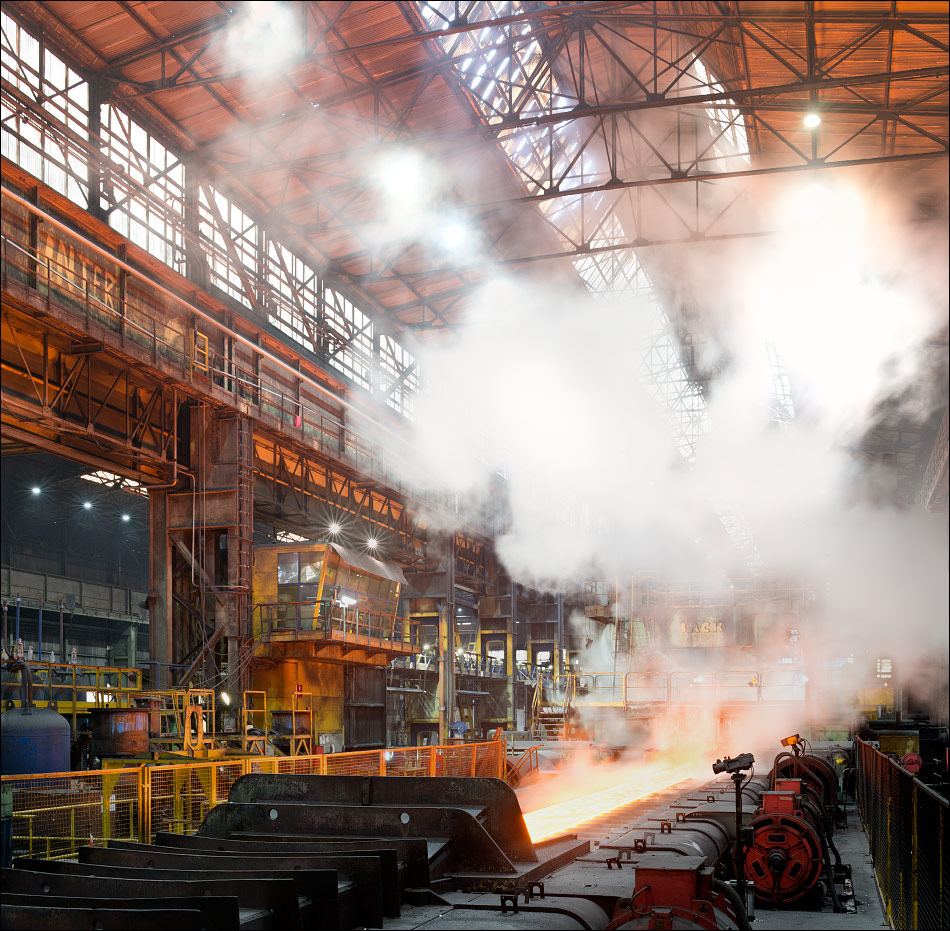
(788, 823)
(785, 858)
(678, 892)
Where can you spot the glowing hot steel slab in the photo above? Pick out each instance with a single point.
(562, 816)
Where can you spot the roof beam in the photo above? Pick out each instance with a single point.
(737, 96)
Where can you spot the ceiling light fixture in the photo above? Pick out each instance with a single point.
(812, 120)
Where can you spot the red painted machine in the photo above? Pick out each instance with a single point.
(785, 858)
(674, 892)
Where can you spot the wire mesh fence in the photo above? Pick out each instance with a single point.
(455, 761)
(489, 759)
(179, 796)
(409, 761)
(906, 823)
(357, 763)
(54, 814)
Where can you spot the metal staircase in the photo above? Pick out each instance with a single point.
(553, 720)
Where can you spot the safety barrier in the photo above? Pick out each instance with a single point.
(55, 814)
(906, 823)
(179, 796)
(329, 620)
(525, 765)
(635, 690)
(71, 685)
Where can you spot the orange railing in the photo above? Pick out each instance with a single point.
(526, 764)
(54, 813)
(311, 619)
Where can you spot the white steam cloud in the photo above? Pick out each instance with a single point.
(263, 40)
(556, 392)
(552, 388)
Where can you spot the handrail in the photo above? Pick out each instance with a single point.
(49, 594)
(528, 760)
(327, 616)
(536, 705)
(191, 308)
(254, 382)
(726, 686)
(304, 414)
(569, 697)
(105, 693)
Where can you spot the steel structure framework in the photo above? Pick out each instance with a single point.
(647, 110)
(579, 136)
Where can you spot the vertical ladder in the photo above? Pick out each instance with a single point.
(244, 480)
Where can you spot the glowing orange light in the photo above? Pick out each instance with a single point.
(634, 784)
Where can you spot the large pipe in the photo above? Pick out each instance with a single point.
(26, 682)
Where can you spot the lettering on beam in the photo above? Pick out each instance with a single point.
(72, 271)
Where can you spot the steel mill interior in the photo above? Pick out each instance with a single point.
(475, 464)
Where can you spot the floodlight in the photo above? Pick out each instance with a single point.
(454, 234)
(812, 120)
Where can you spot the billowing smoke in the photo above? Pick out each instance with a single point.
(262, 41)
(613, 463)
(554, 390)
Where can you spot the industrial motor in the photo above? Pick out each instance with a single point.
(785, 857)
(788, 842)
(678, 892)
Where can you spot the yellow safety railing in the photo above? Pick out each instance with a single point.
(537, 701)
(906, 823)
(55, 813)
(632, 690)
(84, 687)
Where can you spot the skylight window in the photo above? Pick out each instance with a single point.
(546, 156)
(46, 140)
(111, 480)
(287, 536)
